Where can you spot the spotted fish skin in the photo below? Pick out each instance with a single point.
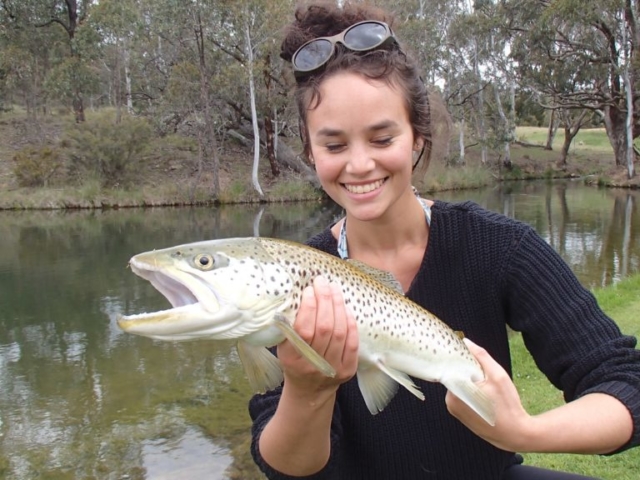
(250, 289)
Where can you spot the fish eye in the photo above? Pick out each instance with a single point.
(204, 261)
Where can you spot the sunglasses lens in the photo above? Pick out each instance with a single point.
(365, 36)
(312, 55)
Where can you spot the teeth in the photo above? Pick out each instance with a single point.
(364, 188)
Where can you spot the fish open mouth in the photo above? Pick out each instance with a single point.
(192, 300)
(173, 290)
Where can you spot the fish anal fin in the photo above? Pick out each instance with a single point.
(261, 367)
(471, 394)
(303, 348)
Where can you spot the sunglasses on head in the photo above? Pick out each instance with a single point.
(360, 37)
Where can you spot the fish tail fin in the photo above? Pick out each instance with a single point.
(261, 366)
(467, 391)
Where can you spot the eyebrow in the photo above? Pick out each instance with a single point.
(334, 132)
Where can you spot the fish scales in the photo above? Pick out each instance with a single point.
(250, 289)
(390, 313)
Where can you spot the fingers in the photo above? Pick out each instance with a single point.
(325, 322)
(305, 323)
(492, 369)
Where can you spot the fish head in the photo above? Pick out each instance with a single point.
(218, 289)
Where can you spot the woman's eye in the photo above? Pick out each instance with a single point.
(383, 142)
(334, 147)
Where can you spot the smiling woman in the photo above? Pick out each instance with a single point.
(360, 139)
(365, 119)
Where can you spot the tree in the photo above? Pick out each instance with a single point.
(69, 15)
(574, 53)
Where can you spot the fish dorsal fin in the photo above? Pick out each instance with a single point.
(381, 276)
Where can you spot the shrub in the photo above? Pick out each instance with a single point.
(106, 150)
(36, 166)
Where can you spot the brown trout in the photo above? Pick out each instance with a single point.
(250, 289)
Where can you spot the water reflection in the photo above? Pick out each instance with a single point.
(80, 399)
(192, 455)
(596, 231)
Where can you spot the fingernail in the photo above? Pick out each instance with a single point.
(320, 281)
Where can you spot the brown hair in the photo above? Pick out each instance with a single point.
(391, 65)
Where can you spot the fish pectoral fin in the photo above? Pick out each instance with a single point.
(261, 366)
(303, 348)
(471, 394)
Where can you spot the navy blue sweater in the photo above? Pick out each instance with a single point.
(481, 273)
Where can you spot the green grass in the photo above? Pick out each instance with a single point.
(592, 139)
(440, 177)
(622, 303)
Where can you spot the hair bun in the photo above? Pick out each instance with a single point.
(324, 18)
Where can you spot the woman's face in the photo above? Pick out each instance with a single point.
(362, 144)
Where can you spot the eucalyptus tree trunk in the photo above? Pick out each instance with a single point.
(504, 129)
(206, 133)
(482, 132)
(571, 128)
(127, 78)
(270, 130)
(254, 114)
(629, 93)
(551, 131)
(461, 141)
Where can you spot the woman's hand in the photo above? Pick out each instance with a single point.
(513, 423)
(595, 423)
(326, 324)
(296, 441)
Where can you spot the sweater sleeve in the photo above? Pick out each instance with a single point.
(579, 348)
(261, 409)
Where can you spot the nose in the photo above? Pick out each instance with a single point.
(361, 161)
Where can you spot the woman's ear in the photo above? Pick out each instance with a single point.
(418, 144)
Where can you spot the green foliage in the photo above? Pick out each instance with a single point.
(68, 77)
(35, 167)
(236, 192)
(106, 150)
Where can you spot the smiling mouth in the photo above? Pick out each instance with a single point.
(365, 188)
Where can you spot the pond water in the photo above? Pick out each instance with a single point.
(81, 399)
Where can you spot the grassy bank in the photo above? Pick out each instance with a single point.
(165, 171)
(622, 303)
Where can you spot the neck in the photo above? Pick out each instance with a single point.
(404, 227)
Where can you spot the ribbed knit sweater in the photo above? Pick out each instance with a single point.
(481, 273)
